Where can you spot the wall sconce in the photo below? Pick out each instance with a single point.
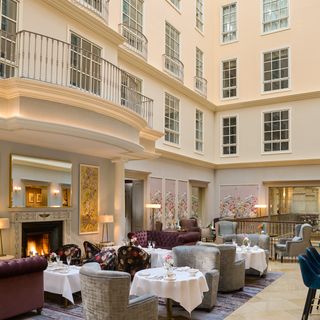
(105, 220)
(4, 224)
(16, 188)
(153, 206)
(55, 192)
(259, 207)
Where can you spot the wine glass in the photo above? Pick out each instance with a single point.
(153, 244)
(68, 261)
(58, 259)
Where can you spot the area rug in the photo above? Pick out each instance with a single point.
(226, 303)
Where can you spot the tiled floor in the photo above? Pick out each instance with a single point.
(282, 300)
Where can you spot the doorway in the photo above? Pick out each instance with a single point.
(134, 205)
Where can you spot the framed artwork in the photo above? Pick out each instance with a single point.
(39, 197)
(31, 197)
(89, 199)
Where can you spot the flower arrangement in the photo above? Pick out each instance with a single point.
(53, 255)
(246, 241)
(134, 241)
(261, 228)
(168, 261)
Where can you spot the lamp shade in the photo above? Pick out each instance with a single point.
(262, 206)
(4, 223)
(153, 205)
(106, 218)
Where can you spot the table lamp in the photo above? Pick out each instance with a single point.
(259, 207)
(105, 219)
(153, 206)
(4, 224)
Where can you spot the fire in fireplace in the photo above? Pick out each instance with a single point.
(41, 237)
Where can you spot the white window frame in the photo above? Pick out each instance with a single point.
(168, 48)
(131, 84)
(289, 131)
(222, 79)
(200, 15)
(223, 23)
(263, 23)
(175, 106)
(280, 79)
(199, 129)
(222, 144)
(95, 5)
(133, 23)
(199, 63)
(176, 3)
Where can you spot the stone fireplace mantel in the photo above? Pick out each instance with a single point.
(19, 217)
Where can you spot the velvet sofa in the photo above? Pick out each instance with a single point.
(165, 239)
(21, 286)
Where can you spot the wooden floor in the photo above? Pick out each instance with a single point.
(282, 300)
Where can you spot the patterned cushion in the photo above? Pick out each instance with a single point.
(132, 259)
(90, 249)
(70, 250)
(107, 258)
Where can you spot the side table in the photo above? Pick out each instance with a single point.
(6, 257)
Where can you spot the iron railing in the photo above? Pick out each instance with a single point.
(173, 66)
(200, 85)
(135, 40)
(98, 7)
(46, 59)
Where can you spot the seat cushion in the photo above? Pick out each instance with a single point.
(280, 247)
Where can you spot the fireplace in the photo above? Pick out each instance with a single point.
(41, 237)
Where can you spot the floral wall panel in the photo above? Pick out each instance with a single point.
(182, 199)
(170, 203)
(238, 201)
(89, 199)
(156, 197)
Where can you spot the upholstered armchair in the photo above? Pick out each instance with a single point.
(132, 259)
(105, 296)
(232, 272)
(90, 251)
(292, 247)
(207, 260)
(107, 259)
(225, 231)
(72, 250)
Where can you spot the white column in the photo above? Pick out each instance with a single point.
(119, 201)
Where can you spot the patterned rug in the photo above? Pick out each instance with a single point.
(226, 304)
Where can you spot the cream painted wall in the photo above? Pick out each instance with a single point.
(305, 143)
(106, 192)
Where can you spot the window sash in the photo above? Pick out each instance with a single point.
(199, 14)
(199, 131)
(171, 119)
(229, 22)
(172, 42)
(132, 14)
(199, 63)
(229, 78)
(275, 15)
(229, 135)
(176, 3)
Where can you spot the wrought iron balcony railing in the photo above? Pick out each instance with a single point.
(200, 84)
(173, 66)
(98, 7)
(34, 56)
(135, 40)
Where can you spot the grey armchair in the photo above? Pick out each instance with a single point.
(207, 260)
(105, 295)
(292, 247)
(232, 272)
(225, 231)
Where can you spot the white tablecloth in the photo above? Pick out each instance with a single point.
(157, 256)
(254, 258)
(62, 283)
(187, 290)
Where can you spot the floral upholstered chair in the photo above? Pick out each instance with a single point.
(90, 250)
(107, 259)
(70, 250)
(132, 259)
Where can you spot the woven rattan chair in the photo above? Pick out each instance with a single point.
(105, 296)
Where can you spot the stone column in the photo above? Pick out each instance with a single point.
(119, 201)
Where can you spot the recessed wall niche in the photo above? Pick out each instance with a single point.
(38, 183)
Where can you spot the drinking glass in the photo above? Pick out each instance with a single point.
(153, 244)
(68, 261)
(149, 244)
(58, 258)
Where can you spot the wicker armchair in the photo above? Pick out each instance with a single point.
(105, 296)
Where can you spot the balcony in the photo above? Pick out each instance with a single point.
(97, 7)
(200, 85)
(135, 40)
(37, 57)
(173, 66)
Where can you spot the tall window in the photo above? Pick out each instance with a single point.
(276, 70)
(229, 135)
(199, 14)
(171, 120)
(172, 41)
(95, 4)
(229, 78)
(132, 14)
(275, 15)
(199, 63)
(176, 3)
(276, 131)
(85, 65)
(229, 22)
(131, 88)
(199, 131)
(8, 20)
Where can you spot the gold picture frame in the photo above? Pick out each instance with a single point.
(89, 199)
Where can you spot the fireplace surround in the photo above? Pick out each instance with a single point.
(45, 219)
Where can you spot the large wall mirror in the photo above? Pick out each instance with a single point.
(37, 182)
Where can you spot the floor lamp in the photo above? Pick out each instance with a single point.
(153, 206)
(105, 220)
(4, 224)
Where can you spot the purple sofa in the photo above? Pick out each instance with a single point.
(166, 239)
(21, 286)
